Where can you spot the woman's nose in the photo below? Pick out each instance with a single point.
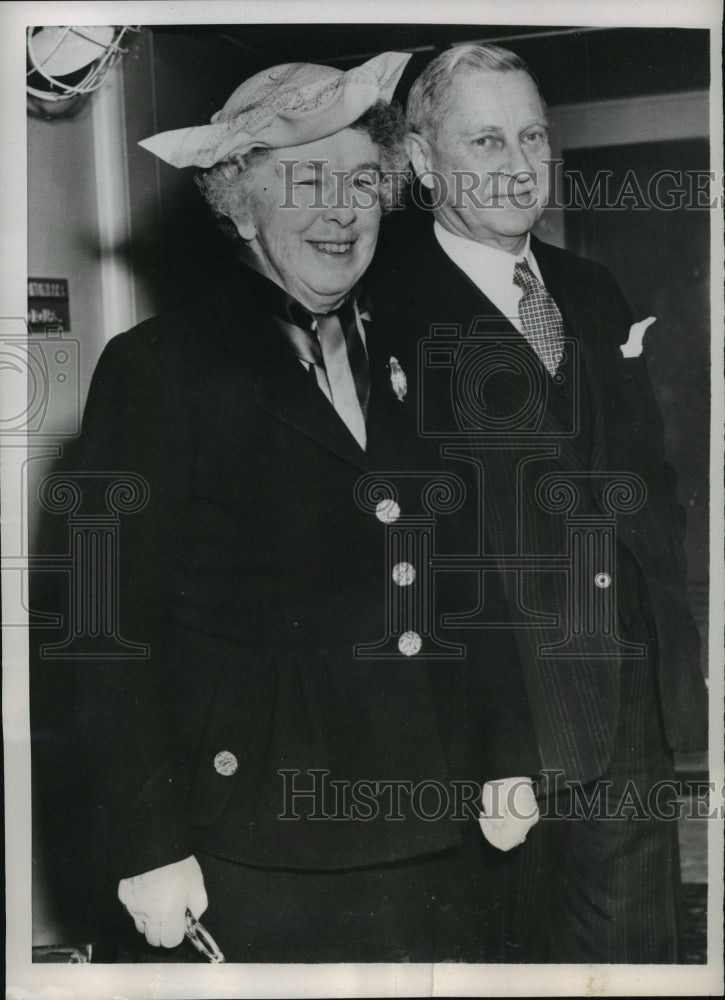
(341, 211)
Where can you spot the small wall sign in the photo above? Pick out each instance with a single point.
(48, 305)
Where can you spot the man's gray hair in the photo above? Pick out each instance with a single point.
(427, 95)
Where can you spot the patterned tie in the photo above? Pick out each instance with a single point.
(541, 320)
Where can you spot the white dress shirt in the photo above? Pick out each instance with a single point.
(491, 270)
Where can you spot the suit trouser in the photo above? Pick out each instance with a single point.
(468, 904)
(614, 877)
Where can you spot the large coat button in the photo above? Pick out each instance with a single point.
(387, 511)
(403, 574)
(225, 763)
(410, 643)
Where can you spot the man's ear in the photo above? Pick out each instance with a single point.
(419, 154)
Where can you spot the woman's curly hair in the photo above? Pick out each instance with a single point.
(227, 184)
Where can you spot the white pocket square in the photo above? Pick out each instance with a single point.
(633, 347)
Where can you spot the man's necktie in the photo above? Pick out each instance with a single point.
(541, 321)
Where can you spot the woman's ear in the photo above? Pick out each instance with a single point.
(245, 225)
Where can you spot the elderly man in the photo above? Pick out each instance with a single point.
(258, 761)
(558, 415)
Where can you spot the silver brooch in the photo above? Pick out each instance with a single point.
(398, 380)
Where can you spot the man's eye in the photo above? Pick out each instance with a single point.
(309, 182)
(536, 136)
(486, 141)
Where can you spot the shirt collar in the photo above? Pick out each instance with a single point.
(461, 247)
(466, 252)
(489, 269)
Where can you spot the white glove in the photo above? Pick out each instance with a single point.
(158, 900)
(509, 812)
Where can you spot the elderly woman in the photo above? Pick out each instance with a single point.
(254, 768)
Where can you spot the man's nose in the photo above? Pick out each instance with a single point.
(520, 165)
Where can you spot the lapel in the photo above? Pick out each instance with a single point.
(600, 323)
(582, 322)
(447, 294)
(388, 416)
(286, 391)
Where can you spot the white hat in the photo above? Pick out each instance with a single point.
(285, 105)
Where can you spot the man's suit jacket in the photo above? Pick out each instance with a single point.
(251, 574)
(615, 427)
